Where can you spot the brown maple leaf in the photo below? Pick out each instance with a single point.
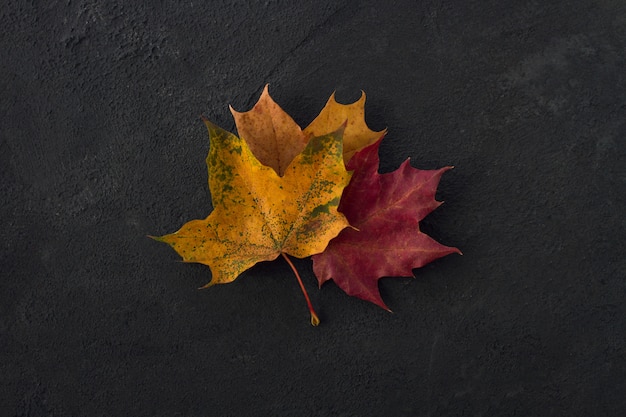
(386, 210)
(275, 138)
(272, 135)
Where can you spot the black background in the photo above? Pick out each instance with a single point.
(101, 144)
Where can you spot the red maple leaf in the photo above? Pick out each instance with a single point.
(385, 209)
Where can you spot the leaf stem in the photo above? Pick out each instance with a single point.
(315, 321)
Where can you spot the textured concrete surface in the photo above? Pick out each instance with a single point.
(101, 143)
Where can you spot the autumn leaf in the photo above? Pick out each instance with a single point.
(275, 138)
(278, 190)
(272, 135)
(259, 215)
(356, 136)
(386, 210)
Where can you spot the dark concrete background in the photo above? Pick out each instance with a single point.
(101, 144)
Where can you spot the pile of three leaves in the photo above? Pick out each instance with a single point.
(278, 190)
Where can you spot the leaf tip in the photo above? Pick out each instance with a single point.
(157, 238)
(233, 111)
(208, 285)
(207, 122)
(265, 95)
(341, 129)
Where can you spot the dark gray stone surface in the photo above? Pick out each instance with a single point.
(101, 144)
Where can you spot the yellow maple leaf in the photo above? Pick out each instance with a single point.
(275, 138)
(259, 215)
